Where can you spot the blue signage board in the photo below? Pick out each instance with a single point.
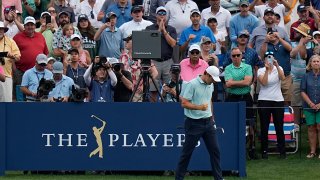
(111, 136)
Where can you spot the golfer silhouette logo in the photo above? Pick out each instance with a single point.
(97, 133)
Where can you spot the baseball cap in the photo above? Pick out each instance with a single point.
(42, 59)
(45, 12)
(3, 27)
(73, 36)
(111, 14)
(195, 11)
(268, 53)
(73, 50)
(51, 59)
(29, 19)
(63, 12)
(82, 16)
(113, 61)
(57, 67)
(244, 33)
(136, 8)
(301, 7)
(7, 9)
(161, 8)
(268, 10)
(244, 2)
(194, 47)
(315, 33)
(214, 73)
(204, 40)
(128, 38)
(212, 19)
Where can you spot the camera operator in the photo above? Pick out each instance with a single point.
(6, 60)
(123, 89)
(63, 84)
(100, 79)
(169, 91)
(32, 77)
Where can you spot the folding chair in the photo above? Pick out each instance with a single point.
(290, 133)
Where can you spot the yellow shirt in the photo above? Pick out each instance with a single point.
(9, 45)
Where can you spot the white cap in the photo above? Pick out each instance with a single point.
(2, 26)
(75, 36)
(161, 8)
(193, 47)
(42, 59)
(315, 33)
(214, 72)
(113, 60)
(46, 12)
(29, 19)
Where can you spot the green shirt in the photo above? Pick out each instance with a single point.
(238, 74)
(24, 11)
(48, 36)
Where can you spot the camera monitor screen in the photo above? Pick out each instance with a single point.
(146, 45)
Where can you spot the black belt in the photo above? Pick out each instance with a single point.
(239, 95)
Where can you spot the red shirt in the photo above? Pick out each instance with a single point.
(310, 22)
(29, 48)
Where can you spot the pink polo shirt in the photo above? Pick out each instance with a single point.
(189, 72)
(1, 70)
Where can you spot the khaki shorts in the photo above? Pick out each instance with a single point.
(296, 99)
(286, 86)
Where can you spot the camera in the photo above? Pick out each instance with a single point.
(48, 19)
(116, 67)
(78, 94)
(175, 68)
(172, 84)
(269, 31)
(103, 60)
(45, 86)
(270, 59)
(145, 64)
(2, 56)
(107, 19)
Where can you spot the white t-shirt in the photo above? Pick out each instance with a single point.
(272, 91)
(280, 9)
(219, 36)
(178, 15)
(127, 28)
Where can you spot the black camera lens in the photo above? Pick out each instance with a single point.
(116, 67)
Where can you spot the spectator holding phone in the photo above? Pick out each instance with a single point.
(270, 95)
(100, 79)
(12, 22)
(14, 4)
(47, 29)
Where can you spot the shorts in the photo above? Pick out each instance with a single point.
(312, 118)
(296, 99)
(286, 86)
(164, 74)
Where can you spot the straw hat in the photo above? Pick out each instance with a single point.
(303, 28)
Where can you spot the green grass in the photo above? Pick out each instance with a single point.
(292, 168)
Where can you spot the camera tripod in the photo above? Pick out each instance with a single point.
(145, 76)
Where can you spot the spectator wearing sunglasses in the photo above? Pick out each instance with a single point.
(123, 11)
(168, 41)
(193, 66)
(91, 9)
(238, 77)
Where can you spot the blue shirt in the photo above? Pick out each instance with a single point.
(101, 92)
(239, 23)
(123, 14)
(282, 56)
(202, 31)
(32, 77)
(310, 84)
(198, 92)
(63, 88)
(250, 57)
(316, 4)
(111, 43)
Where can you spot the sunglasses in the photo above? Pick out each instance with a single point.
(162, 13)
(92, 15)
(236, 55)
(195, 52)
(42, 64)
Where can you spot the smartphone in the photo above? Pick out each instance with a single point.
(307, 3)
(13, 8)
(3, 54)
(269, 31)
(48, 19)
(107, 19)
(270, 59)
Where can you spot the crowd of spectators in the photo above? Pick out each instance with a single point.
(262, 47)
